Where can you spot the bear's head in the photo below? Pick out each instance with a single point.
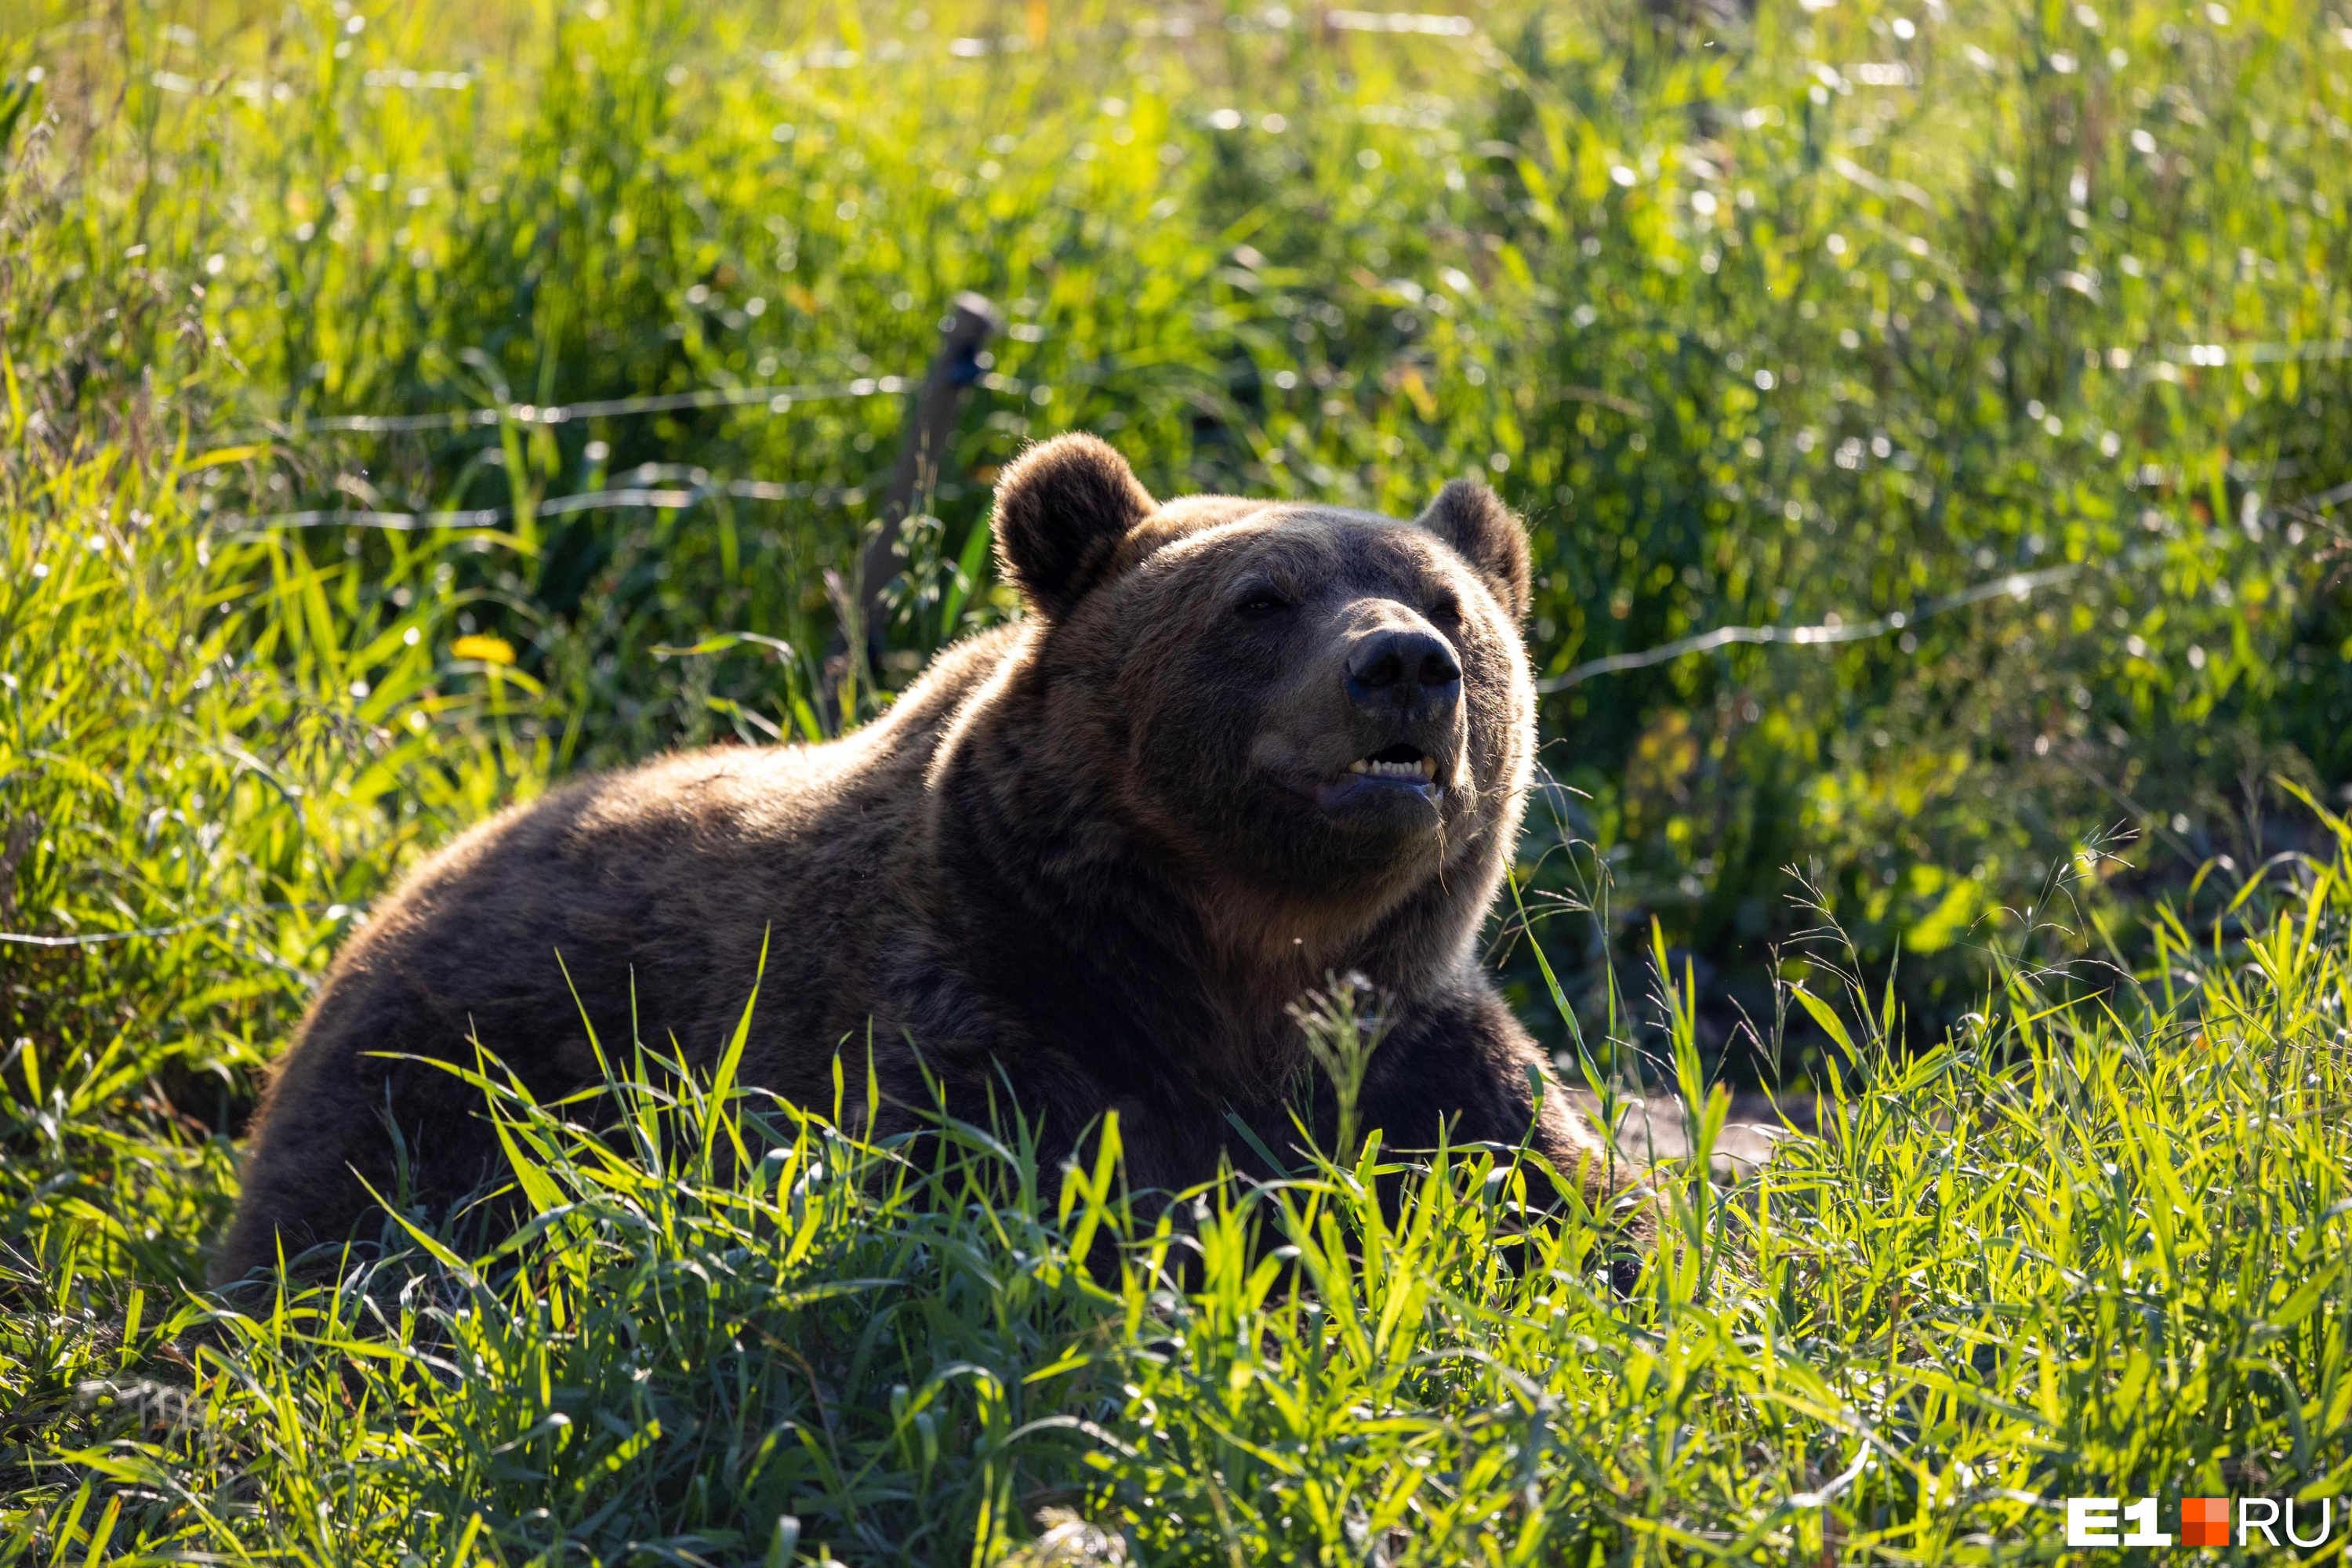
(1313, 712)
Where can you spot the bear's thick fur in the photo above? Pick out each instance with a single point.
(1234, 748)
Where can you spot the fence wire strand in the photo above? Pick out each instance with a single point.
(2017, 586)
(637, 494)
(778, 399)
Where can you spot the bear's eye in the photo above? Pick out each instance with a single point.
(1448, 609)
(1260, 603)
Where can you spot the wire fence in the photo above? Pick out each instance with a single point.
(773, 400)
(177, 928)
(640, 493)
(2017, 586)
(778, 399)
(783, 399)
(700, 487)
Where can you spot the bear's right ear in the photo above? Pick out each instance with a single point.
(1062, 509)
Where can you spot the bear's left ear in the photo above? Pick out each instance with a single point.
(1062, 509)
(1483, 532)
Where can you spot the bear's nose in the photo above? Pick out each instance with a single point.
(1395, 672)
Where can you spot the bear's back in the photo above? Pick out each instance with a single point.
(647, 894)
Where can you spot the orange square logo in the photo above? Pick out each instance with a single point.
(2204, 1522)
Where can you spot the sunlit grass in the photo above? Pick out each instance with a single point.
(2074, 1218)
(2089, 1250)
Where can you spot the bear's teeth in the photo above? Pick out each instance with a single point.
(1423, 769)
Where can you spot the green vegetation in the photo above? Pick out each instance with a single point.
(1759, 320)
(2065, 1253)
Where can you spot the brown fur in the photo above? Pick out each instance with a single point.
(1083, 852)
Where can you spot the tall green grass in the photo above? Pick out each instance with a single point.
(2073, 1221)
(2078, 1249)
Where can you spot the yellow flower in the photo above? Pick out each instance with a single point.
(489, 649)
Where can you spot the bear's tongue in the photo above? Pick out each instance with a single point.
(1401, 762)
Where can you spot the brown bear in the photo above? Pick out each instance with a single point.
(1094, 857)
